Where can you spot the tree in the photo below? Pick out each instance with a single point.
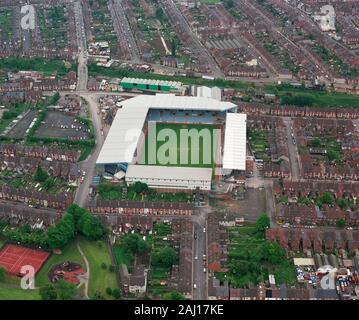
(62, 233)
(90, 226)
(40, 175)
(111, 268)
(56, 238)
(77, 212)
(333, 155)
(342, 203)
(2, 274)
(228, 4)
(165, 257)
(65, 290)
(271, 252)
(159, 13)
(140, 187)
(48, 292)
(109, 291)
(134, 244)
(103, 265)
(173, 295)
(316, 142)
(300, 100)
(116, 293)
(327, 198)
(262, 224)
(340, 223)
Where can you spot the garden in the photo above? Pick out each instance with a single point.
(252, 258)
(138, 192)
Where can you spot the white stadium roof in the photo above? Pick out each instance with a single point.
(151, 81)
(169, 173)
(122, 139)
(235, 138)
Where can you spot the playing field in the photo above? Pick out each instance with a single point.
(13, 258)
(181, 145)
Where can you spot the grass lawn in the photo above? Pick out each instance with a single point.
(100, 279)
(121, 256)
(69, 253)
(12, 293)
(202, 150)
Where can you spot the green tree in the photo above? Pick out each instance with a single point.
(40, 175)
(262, 224)
(340, 223)
(134, 244)
(333, 155)
(159, 13)
(65, 290)
(90, 226)
(316, 142)
(173, 295)
(48, 292)
(165, 257)
(56, 238)
(140, 187)
(327, 198)
(228, 4)
(342, 203)
(116, 293)
(2, 274)
(109, 291)
(271, 252)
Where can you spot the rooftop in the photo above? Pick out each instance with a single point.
(126, 129)
(169, 173)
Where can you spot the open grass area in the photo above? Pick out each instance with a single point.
(317, 98)
(47, 66)
(9, 292)
(174, 147)
(100, 279)
(121, 256)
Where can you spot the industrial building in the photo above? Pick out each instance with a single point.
(120, 152)
(152, 85)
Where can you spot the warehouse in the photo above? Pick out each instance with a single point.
(162, 177)
(152, 85)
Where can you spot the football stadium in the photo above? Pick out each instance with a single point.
(174, 142)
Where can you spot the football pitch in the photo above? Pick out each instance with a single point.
(181, 145)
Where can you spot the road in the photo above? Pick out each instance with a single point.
(292, 150)
(82, 71)
(199, 277)
(123, 29)
(89, 164)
